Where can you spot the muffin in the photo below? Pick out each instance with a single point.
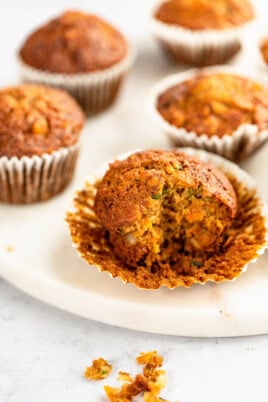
(80, 53)
(264, 50)
(216, 110)
(39, 133)
(168, 218)
(201, 32)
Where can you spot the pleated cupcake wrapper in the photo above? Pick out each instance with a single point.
(224, 165)
(236, 146)
(198, 47)
(36, 178)
(94, 91)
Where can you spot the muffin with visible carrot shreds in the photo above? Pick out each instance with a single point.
(167, 218)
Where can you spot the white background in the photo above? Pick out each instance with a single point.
(43, 351)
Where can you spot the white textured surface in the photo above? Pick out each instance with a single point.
(43, 351)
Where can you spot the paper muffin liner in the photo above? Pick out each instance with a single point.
(31, 179)
(83, 220)
(197, 47)
(94, 91)
(237, 146)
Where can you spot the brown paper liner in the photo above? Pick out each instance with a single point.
(38, 178)
(246, 238)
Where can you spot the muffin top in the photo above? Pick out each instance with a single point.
(72, 43)
(36, 120)
(215, 104)
(264, 50)
(205, 14)
(155, 204)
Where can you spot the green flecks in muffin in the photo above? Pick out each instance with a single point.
(156, 196)
(165, 190)
(197, 264)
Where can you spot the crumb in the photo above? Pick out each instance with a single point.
(124, 377)
(149, 383)
(99, 370)
(9, 249)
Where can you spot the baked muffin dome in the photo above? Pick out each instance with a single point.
(35, 120)
(205, 14)
(156, 204)
(72, 43)
(215, 104)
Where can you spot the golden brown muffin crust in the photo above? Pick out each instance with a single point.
(205, 14)
(215, 104)
(35, 120)
(74, 42)
(155, 203)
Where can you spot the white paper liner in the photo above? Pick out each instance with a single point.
(94, 91)
(198, 47)
(236, 146)
(37, 178)
(224, 165)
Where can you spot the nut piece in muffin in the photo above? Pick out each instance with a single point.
(201, 32)
(79, 52)
(156, 204)
(205, 14)
(39, 133)
(264, 50)
(215, 104)
(174, 217)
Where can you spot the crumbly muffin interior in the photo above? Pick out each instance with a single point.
(178, 220)
(156, 204)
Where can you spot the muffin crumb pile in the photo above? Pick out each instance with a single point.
(148, 384)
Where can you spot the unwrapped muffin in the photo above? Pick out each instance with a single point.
(168, 218)
(39, 133)
(201, 32)
(81, 53)
(215, 110)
